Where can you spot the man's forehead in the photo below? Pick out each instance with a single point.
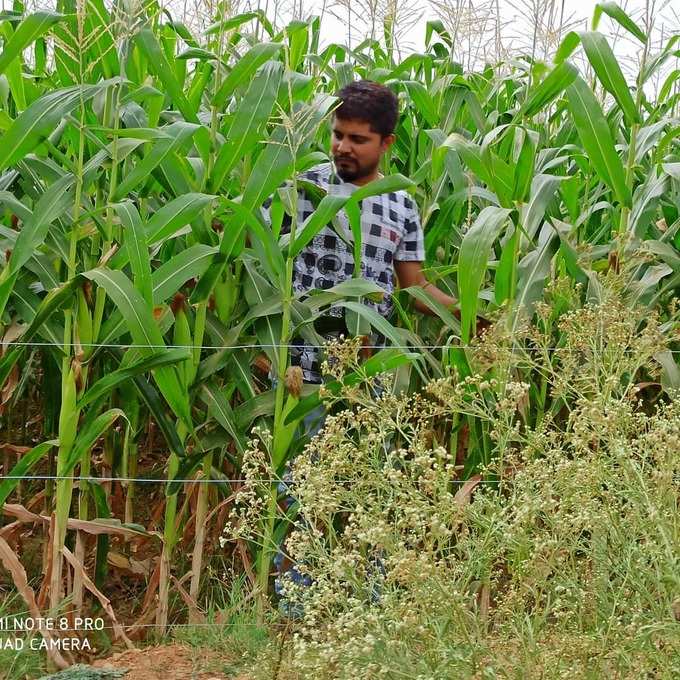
(352, 126)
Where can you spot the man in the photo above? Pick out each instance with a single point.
(392, 237)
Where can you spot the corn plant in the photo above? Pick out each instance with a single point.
(136, 160)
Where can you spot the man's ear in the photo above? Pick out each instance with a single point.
(387, 142)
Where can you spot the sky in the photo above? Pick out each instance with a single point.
(518, 20)
(523, 23)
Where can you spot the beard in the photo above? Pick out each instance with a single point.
(350, 170)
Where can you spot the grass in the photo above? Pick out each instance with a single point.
(18, 663)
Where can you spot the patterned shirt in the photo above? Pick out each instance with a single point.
(391, 231)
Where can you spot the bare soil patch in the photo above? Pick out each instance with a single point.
(167, 662)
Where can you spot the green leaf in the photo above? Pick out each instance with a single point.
(88, 433)
(222, 412)
(155, 405)
(239, 19)
(379, 322)
(191, 263)
(506, 273)
(145, 333)
(22, 468)
(51, 205)
(249, 124)
(614, 11)
(356, 287)
(597, 139)
(424, 103)
(28, 31)
(384, 185)
(324, 213)
(552, 85)
(258, 292)
(137, 247)
(543, 189)
(443, 313)
(175, 136)
(108, 382)
(158, 63)
(532, 271)
(607, 68)
(49, 304)
(645, 202)
(244, 69)
(39, 120)
(569, 43)
(264, 244)
(166, 221)
(472, 263)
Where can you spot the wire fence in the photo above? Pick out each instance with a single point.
(411, 347)
(200, 480)
(220, 480)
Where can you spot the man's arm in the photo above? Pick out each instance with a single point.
(410, 273)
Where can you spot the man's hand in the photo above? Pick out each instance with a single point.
(411, 274)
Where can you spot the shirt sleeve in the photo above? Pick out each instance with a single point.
(411, 248)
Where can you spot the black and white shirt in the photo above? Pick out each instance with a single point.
(391, 231)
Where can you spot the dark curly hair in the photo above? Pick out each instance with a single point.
(371, 102)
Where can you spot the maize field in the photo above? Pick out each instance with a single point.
(145, 300)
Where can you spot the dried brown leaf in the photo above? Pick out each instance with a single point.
(464, 494)
(11, 562)
(103, 600)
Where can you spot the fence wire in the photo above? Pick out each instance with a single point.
(182, 481)
(63, 345)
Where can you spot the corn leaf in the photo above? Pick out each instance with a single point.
(23, 467)
(175, 137)
(158, 63)
(550, 87)
(223, 413)
(39, 120)
(107, 383)
(596, 138)
(30, 29)
(244, 70)
(472, 263)
(603, 61)
(144, 331)
(133, 232)
(614, 11)
(250, 119)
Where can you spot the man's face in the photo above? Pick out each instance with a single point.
(357, 150)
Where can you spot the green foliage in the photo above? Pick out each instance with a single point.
(133, 171)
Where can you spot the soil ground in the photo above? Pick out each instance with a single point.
(166, 662)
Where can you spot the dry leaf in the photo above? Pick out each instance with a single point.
(195, 614)
(464, 494)
(103, 600)
(94, 527)
(125, 563)
(9, 386)
(107, 255)
(11, 562)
